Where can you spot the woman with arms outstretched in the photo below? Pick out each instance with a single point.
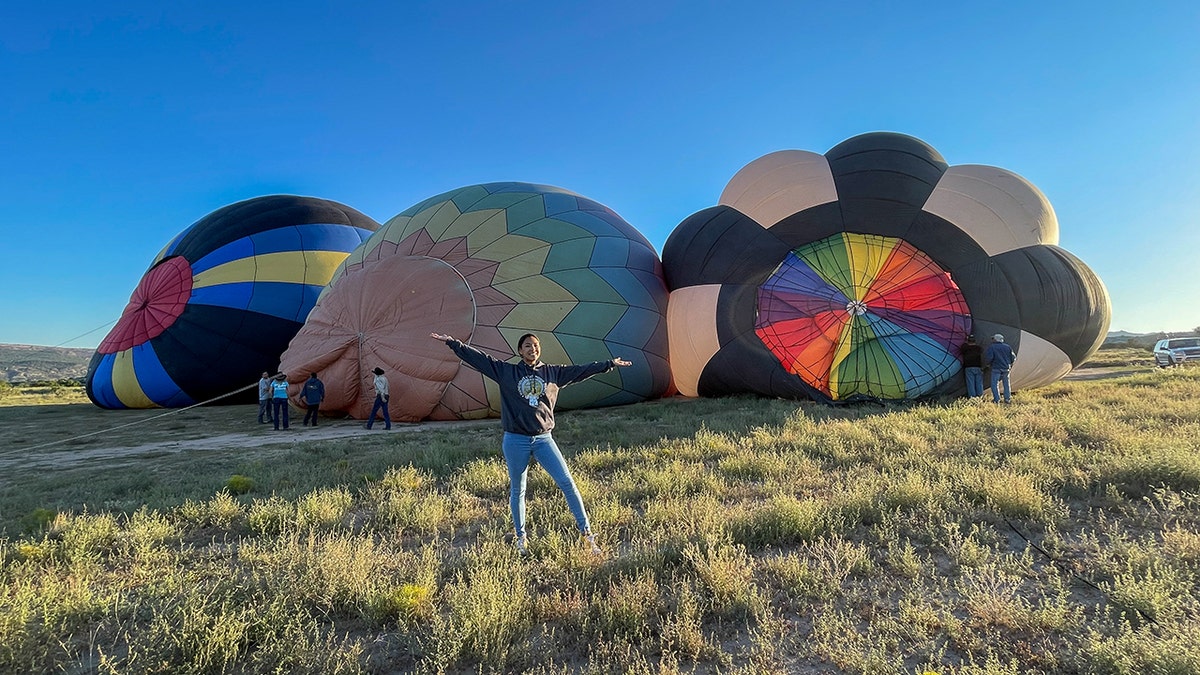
(528, 393)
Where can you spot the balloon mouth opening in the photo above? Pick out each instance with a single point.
(156, 303)
(842, 312)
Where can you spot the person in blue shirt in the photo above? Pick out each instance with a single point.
(279, 400)
(1000, 357)
(528, 394)
(312, 393)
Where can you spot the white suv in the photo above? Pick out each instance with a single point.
(1174, 351)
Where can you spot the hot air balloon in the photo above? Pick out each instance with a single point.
(487, 263)
(858, 273)
(220, 303)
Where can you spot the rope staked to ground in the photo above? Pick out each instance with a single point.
(168, 413)
(175, 411)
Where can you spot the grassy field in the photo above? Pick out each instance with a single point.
(1058, 534)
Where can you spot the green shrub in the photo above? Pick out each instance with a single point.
(239, 485)
(38, 519)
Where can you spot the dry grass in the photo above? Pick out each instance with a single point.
(1058, 534)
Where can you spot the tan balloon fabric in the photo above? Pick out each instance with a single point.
(999, 209)
(1038, 363)
(777, 185)
(381, 316)
(692, 334)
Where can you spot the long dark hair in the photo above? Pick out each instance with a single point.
(526, 336)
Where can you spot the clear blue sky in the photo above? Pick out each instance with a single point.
(123, 123)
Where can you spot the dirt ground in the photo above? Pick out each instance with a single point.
(80, 434)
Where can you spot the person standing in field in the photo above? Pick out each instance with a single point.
(972, 361)
(381, 400)
(264, 398)
(1000, 357)
(528, 394)
(279, 399)
(313, 393)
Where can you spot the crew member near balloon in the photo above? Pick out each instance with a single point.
(1000, 357)
(972, 361)
(528, 393)
(313, 393)
(264, 398)
(382, 394)
(279, 400)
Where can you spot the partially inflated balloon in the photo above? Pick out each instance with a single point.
(487, 263)
(220, 303)
(859, 273)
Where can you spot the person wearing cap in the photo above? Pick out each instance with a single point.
(528, 392)
(264, 398)
(1000, 357)
(972, 361)
(312, 393)
(279, 399)
(381, 400)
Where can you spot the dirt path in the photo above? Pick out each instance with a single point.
(158, 438)
(1103, 373)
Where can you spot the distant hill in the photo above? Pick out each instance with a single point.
(1123, 338)
(32, 363)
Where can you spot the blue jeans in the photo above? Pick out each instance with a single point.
(380, 404)
(997, 377)
(281, 411)
(974, 381)
(518, 448)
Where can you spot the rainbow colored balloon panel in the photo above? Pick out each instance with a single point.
(863, 315)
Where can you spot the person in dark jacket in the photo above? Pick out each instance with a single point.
(313, 393)
(1000, 357)
(528, 393)
(972, 361)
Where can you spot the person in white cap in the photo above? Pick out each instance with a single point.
(1000, 357)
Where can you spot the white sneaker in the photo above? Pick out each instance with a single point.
(522, 545)
(590, 540)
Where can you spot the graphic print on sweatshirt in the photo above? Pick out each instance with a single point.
(531, 387)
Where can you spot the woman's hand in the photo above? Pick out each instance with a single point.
(618, 361)
(439, 336)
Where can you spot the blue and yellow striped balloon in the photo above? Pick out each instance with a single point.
(220, 303)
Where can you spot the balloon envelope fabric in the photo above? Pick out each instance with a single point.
(220, 303)
(857, 274)
(858, 314)
(528, 259)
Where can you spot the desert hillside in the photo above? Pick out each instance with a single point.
(31, 363)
